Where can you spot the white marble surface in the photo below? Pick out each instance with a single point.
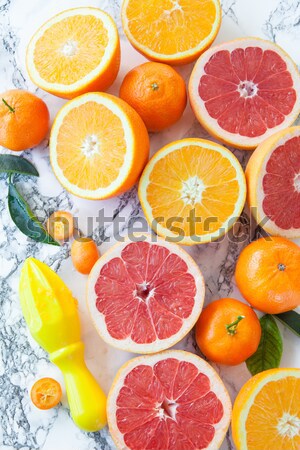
(22, 426)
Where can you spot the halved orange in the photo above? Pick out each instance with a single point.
(98, 146)
(74, 52)
(171, 31)
(266, 413)
(192, 191)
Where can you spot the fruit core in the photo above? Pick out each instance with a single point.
(192, 190)
(167, 409)
(297, 182)
(69, 48)
(247, 89)
(143, 290)
(289, 425)
(90, 145)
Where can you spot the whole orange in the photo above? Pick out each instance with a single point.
(268, 273)
(157, 92)
(24, 120)
(84, 254)
(228, 331)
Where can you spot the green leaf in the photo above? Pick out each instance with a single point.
(16, 164)
(269, 352)
(24, 218)
(291, 319)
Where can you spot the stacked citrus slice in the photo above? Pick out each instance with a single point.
(192, 191)
(171, 31)
(173, 400)
(273, 181)
(74, 52)
(98, 146)
(245, 90)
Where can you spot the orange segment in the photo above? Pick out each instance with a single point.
(76, 51)
(174, 31)
(98, 146)
(202, 195)
(266, 413)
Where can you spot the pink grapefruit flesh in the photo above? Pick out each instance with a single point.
(244, 90)
(173, 400)
(144, 296)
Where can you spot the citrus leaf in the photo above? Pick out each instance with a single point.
(16, 164)
(290, 319)
(24, 218)
(269, 352)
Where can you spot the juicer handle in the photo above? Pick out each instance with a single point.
(86, 399)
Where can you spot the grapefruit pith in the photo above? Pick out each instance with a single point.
(244, 90)
(173, 401)
(273, 181)
(145, 296)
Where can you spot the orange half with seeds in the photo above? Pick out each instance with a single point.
(98, 146)
(192, 191)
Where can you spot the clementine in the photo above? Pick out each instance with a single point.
(84, 254)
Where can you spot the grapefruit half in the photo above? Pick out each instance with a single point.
(144, 297)
(173, 400)
(273, 180)
(244, 90)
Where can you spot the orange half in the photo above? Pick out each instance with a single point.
(171, 31)
(98, 146)
(74, 52)
(266, 413)
(192, 191)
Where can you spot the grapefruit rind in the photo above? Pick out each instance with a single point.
(216, 386)
(179, 58)
(130, 169)
(210, 124)
(112, 53)
(128, 344)
(145, 180)
(255, 171)
(246, 398)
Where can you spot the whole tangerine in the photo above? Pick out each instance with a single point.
(84, 254)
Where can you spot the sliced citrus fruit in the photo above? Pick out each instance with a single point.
(266, 413)
(192, 191)
(46, 393)
(98, 146)
(76, 51)
(171, 31)
(245, 90)
(172, 401)
(145, 296)
(273, 181)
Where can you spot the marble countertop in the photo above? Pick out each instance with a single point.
(22, 361)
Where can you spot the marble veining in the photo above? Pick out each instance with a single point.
(22, 361)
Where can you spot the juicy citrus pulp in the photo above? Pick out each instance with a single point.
(174, 31)
(46, 393)
(273, 179)
(244, 90)
(98, 146)
(266, 414)
(172, 400)
(74, 52)
(145, 296)
(202, 196)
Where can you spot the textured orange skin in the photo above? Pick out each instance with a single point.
(41, 387)
(261, 282)
(28, 125)
(101, 83)
(161, 107)
(140, 151)
(60, 225)
(244, 396)
(84, 254)
(215, 342)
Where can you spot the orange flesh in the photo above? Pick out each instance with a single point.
(275, 399)
(219, 196)
(46, 393)
(158, 24)
(83, 36)
(96, 122)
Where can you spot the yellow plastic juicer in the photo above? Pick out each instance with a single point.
(52, 317)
